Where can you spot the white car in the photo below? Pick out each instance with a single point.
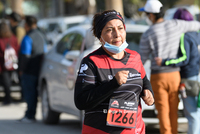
(54, 27)
(60, 66)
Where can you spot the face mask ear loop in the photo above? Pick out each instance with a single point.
(103, 40)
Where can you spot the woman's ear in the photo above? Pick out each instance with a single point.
(100, 39)
(102, 42)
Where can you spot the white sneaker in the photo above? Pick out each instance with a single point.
(26, 120)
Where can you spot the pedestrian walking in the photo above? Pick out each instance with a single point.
(111, 81)
(15, 20)
(188, 59)
(30, 59)
(8, 52)
(162, 40)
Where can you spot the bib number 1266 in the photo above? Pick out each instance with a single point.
(121, 118)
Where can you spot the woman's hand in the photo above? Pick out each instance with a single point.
(158, 61)
(121, 77)
(148, 97)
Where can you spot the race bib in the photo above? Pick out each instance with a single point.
(122, 113)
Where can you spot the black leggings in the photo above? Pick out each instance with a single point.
(6, 83)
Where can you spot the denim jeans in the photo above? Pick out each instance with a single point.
(192, 112)
(29, 86)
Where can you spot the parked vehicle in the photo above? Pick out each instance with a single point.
(60, 66)
(53, 27)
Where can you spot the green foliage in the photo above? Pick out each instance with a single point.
(131, 6)
(169, 3)
(134, 1)
(100, 5)
(197, 2)
(166, 3)
(1, 10)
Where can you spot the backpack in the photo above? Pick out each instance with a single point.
(10, 58)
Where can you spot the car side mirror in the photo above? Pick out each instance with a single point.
(72, 55)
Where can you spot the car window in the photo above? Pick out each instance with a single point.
(76, 43)
(133, 39)
(52, 27)
(64, 45)
(69, 42)
(72, 24)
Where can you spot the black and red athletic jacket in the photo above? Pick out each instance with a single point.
(96, 84)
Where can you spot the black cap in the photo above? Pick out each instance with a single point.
(15, 16)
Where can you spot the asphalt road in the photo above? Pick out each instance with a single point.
(68, 124)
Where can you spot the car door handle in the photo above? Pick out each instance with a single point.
(50, 67)
(64, 71)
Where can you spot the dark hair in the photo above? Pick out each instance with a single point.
(30, 20)
(100, 20)
(158, 15)
(183, 14)
(5, 30)
(15, 16)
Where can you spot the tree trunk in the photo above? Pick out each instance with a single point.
(16, 6)
(116, 5)
(91, 7)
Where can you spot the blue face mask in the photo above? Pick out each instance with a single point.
(115, 49)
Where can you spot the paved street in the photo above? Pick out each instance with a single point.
(10, 114)
(68, 123)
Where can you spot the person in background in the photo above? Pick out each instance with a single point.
(18, 31)
(15, 20)
(30, 59)
(188, 59)
(6, 38)
(162, 40)
(111, 80)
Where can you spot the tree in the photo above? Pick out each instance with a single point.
(116, 5)
(168, 3)
(16, 6)
(2, 8)
(100, 5)
(131, 6)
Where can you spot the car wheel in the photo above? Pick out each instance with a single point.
(48, 116)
